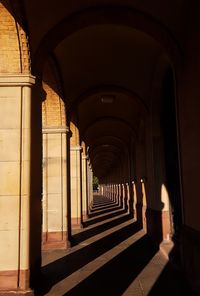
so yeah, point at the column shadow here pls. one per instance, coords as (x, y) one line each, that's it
(79, 237)
(104, 217)
(102, 211)
(58, 270)
(171, 282)
(119, 272)
(102, 206)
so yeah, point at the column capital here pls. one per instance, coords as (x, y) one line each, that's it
(17, 80)
(90, 165)
(76, 148)
(85, 157)
(55, 130)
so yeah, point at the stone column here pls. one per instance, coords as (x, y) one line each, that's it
(76, 185)
(144, 203)
(113, 193)
(121, 199)
(134, 199)
(54, 188)
(117, 194)
(84, 187)
(105, 190)
(90, 184)
(128, 197)
(124, 195)
(15, 149)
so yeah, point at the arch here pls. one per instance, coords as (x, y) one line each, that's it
(119, 15)
(54, 158)
(122, 146)
(114, 152)
(53, 107)
(110, 118)
(108, 88)
(103, 146)
(14, 54)
(109, 137)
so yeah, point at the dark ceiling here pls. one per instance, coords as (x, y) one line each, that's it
(107, 60)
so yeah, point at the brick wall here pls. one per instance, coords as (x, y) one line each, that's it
(53, 107)
(9, 50)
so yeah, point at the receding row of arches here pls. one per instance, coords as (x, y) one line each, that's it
(103, 102)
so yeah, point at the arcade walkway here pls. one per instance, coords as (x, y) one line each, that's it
(111, 255)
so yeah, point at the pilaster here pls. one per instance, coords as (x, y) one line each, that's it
(76, 185)
(15, 170)
(54, 187)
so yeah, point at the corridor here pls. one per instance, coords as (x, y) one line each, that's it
(111, 255)
(99, 147)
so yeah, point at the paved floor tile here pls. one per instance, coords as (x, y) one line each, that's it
(113, 257)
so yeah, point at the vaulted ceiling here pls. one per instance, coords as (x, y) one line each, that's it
(108, 52)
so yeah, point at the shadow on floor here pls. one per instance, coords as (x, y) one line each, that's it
(171, 282)
(102, 203)
(114, 277)
(100, 199)
(104, 211)
(58, 270)
(85, 234)
(104, 206)
(104, 217)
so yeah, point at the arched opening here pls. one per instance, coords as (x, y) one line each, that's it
(104, 105)
(54, 201)
(112, 110)
(171, 150)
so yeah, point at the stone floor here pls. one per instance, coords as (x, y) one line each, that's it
(112, 256)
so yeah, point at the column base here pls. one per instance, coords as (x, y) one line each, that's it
(16, 292)
(14, 281)
(85, 216)
(54, 241)
(139, 215)
(126, 204)
(158, 224)
(76, 223)
(131, 210)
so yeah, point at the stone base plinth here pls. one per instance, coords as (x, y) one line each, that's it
(16, 292)
(54, 240)
(76, 223)
(158, 224)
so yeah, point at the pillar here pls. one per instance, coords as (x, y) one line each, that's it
(134, 199)
(121, 195)
(144, 203)
(54, 188)
(128, 195)
(84, 187)
(15, 168)
(76, 185)
(115, 193)
(90, 184)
